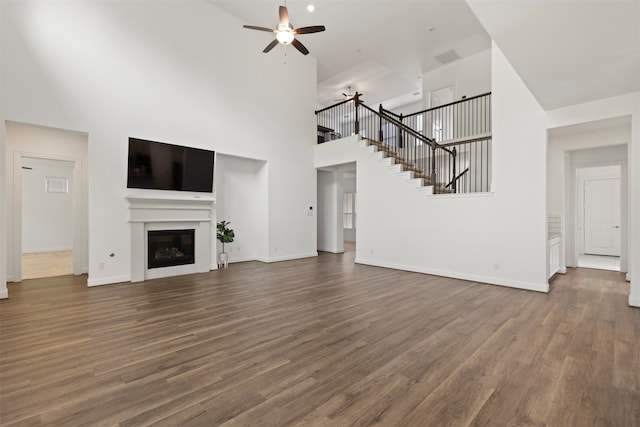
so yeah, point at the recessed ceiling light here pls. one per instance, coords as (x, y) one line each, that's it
(311, 8)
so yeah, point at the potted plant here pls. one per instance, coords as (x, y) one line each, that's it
(225, 235)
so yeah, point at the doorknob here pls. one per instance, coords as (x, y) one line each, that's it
(616, 226)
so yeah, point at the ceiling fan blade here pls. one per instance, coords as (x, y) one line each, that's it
(303, 50)
(253, 27)
(270, 46)
(284, 15)
(309, 30)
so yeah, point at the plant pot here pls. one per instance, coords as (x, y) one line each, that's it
(223, 260)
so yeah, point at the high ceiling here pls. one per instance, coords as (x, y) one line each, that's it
(379, 48)
(566, 52)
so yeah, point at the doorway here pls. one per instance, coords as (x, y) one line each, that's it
(47, 217)
(58, 160)
(599, 217)
(337, 208)
(349, 210)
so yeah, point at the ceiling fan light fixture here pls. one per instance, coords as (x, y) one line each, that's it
(285, 37)
(286, 33)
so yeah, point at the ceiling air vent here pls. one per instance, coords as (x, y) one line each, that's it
(448, 56)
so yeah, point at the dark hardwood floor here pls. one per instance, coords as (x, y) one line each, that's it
(319, 342)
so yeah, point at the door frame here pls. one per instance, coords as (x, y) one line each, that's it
(578, 225)
(17, 209)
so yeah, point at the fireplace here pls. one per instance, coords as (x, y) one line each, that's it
(167, 248)
(160, 212)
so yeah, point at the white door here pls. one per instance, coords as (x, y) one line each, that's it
(602, 216)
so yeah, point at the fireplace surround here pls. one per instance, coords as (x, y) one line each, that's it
(178, 214)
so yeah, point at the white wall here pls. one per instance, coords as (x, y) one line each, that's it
(23, 140)
(157, 70)
(470, 76)
(47, 217)
(241, 200)
(497, 237)
(619, 106)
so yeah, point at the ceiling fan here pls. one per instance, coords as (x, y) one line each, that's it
(348, 95)
(285, 32)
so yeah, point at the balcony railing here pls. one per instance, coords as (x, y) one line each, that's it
(450, 145)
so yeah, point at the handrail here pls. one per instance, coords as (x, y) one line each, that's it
(334, 105)
(456, 178)
(432, 142)
(465, 131)
(459, 141)
(449, 104)
(404, 127)
(390, 112)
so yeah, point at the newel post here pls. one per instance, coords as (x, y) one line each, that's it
(380, 132)
(356, 98)
(455, 178)
(433, 166)
(400, 140)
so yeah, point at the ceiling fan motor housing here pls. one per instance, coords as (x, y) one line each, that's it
(285, 33)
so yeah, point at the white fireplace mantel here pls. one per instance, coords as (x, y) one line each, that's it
(169, 212)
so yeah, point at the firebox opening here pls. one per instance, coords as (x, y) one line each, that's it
(167, 248)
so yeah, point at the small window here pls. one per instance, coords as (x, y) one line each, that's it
(348, 210)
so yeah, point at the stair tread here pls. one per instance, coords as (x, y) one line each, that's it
(407, 166)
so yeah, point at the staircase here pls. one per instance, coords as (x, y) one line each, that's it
(458, 164)
(415, 175)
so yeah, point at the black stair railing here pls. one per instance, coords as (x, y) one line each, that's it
(434, 143)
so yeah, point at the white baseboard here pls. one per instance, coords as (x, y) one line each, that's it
(544, 287)
(107, 280)
(634, 300)
(4, 293)
(563, 270)
(238, 259)
(628, 277)
(40, 250)
(287, 257)
(242, 259)
(332, 250)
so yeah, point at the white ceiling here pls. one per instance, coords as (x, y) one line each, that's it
(379, 48)
(566, 52)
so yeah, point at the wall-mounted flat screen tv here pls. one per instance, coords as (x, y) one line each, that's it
(160, 166)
